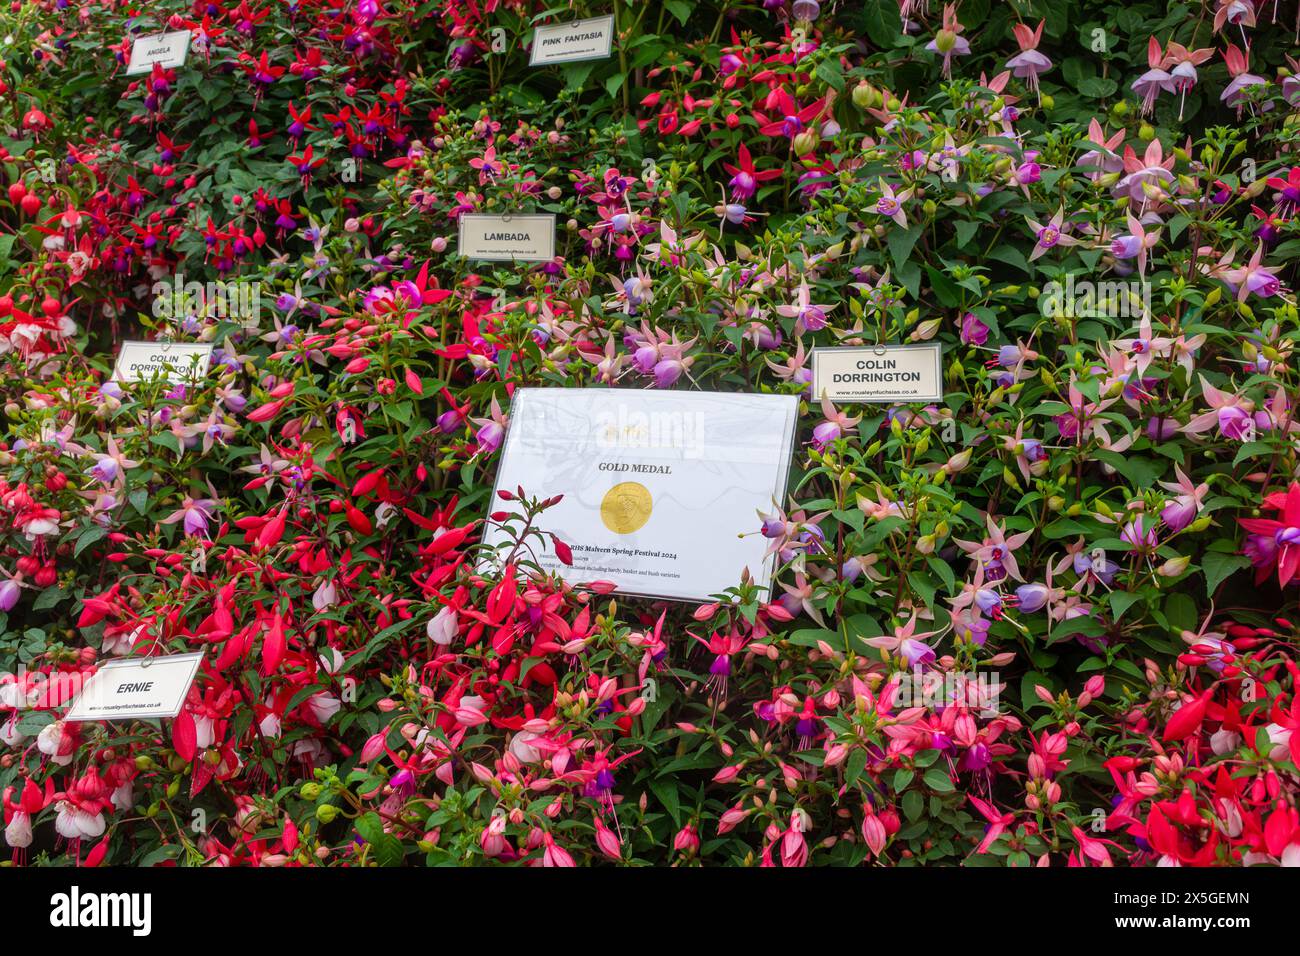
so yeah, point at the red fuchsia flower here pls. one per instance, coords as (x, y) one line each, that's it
(1275, 542)
(745, 177)
(791, 119)
(260, 72)
(20, 812)
(304, 164)
(1029, 63)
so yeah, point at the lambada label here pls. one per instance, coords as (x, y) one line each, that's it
(173, 361)
(130, 688)
(663, 492)
(168, 50)
(508, 238)
(882, 373)
(570, 42)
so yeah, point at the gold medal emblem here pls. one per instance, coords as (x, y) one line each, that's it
(626, 507)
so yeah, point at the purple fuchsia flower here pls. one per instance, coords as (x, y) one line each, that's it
(973, 331)
(890, 204)
(837, 423)
(1050, 235)
(807, 10)
(1032, 597)
(10, 592)
(194, 515)
(1102, 158)
(1231, 413)
(491, 430)
(1254, 277)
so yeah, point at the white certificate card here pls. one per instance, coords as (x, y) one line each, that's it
(662, 489)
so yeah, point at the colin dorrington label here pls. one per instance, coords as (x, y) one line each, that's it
(891, 373)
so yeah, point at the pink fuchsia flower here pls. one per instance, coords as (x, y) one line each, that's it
(1237, 91)
(1144, 346)
(491, 429)
(948, 42)
(1139, 535)
(809, 316)
(973, 331)
(1254, 277)
(110, 464)
(906, 643)
(194, 514)
(996, 553)
(1029, 63)
(1102, 158)
(1240, 13)
(1155, 80)
(1183, 73)
(1181, 510)
(1276, 541)
(834, 427)
(1135, 244)
(1232, 414)
(1150, 176)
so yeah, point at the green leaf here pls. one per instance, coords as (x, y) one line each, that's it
(679, 9)
(1218, 566)
(88, 537)
(938, 781)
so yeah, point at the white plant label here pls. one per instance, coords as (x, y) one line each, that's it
(574, 41)
(508, 238)
(174, 361)
(131, 688)
(888, 373)
(168, 50)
